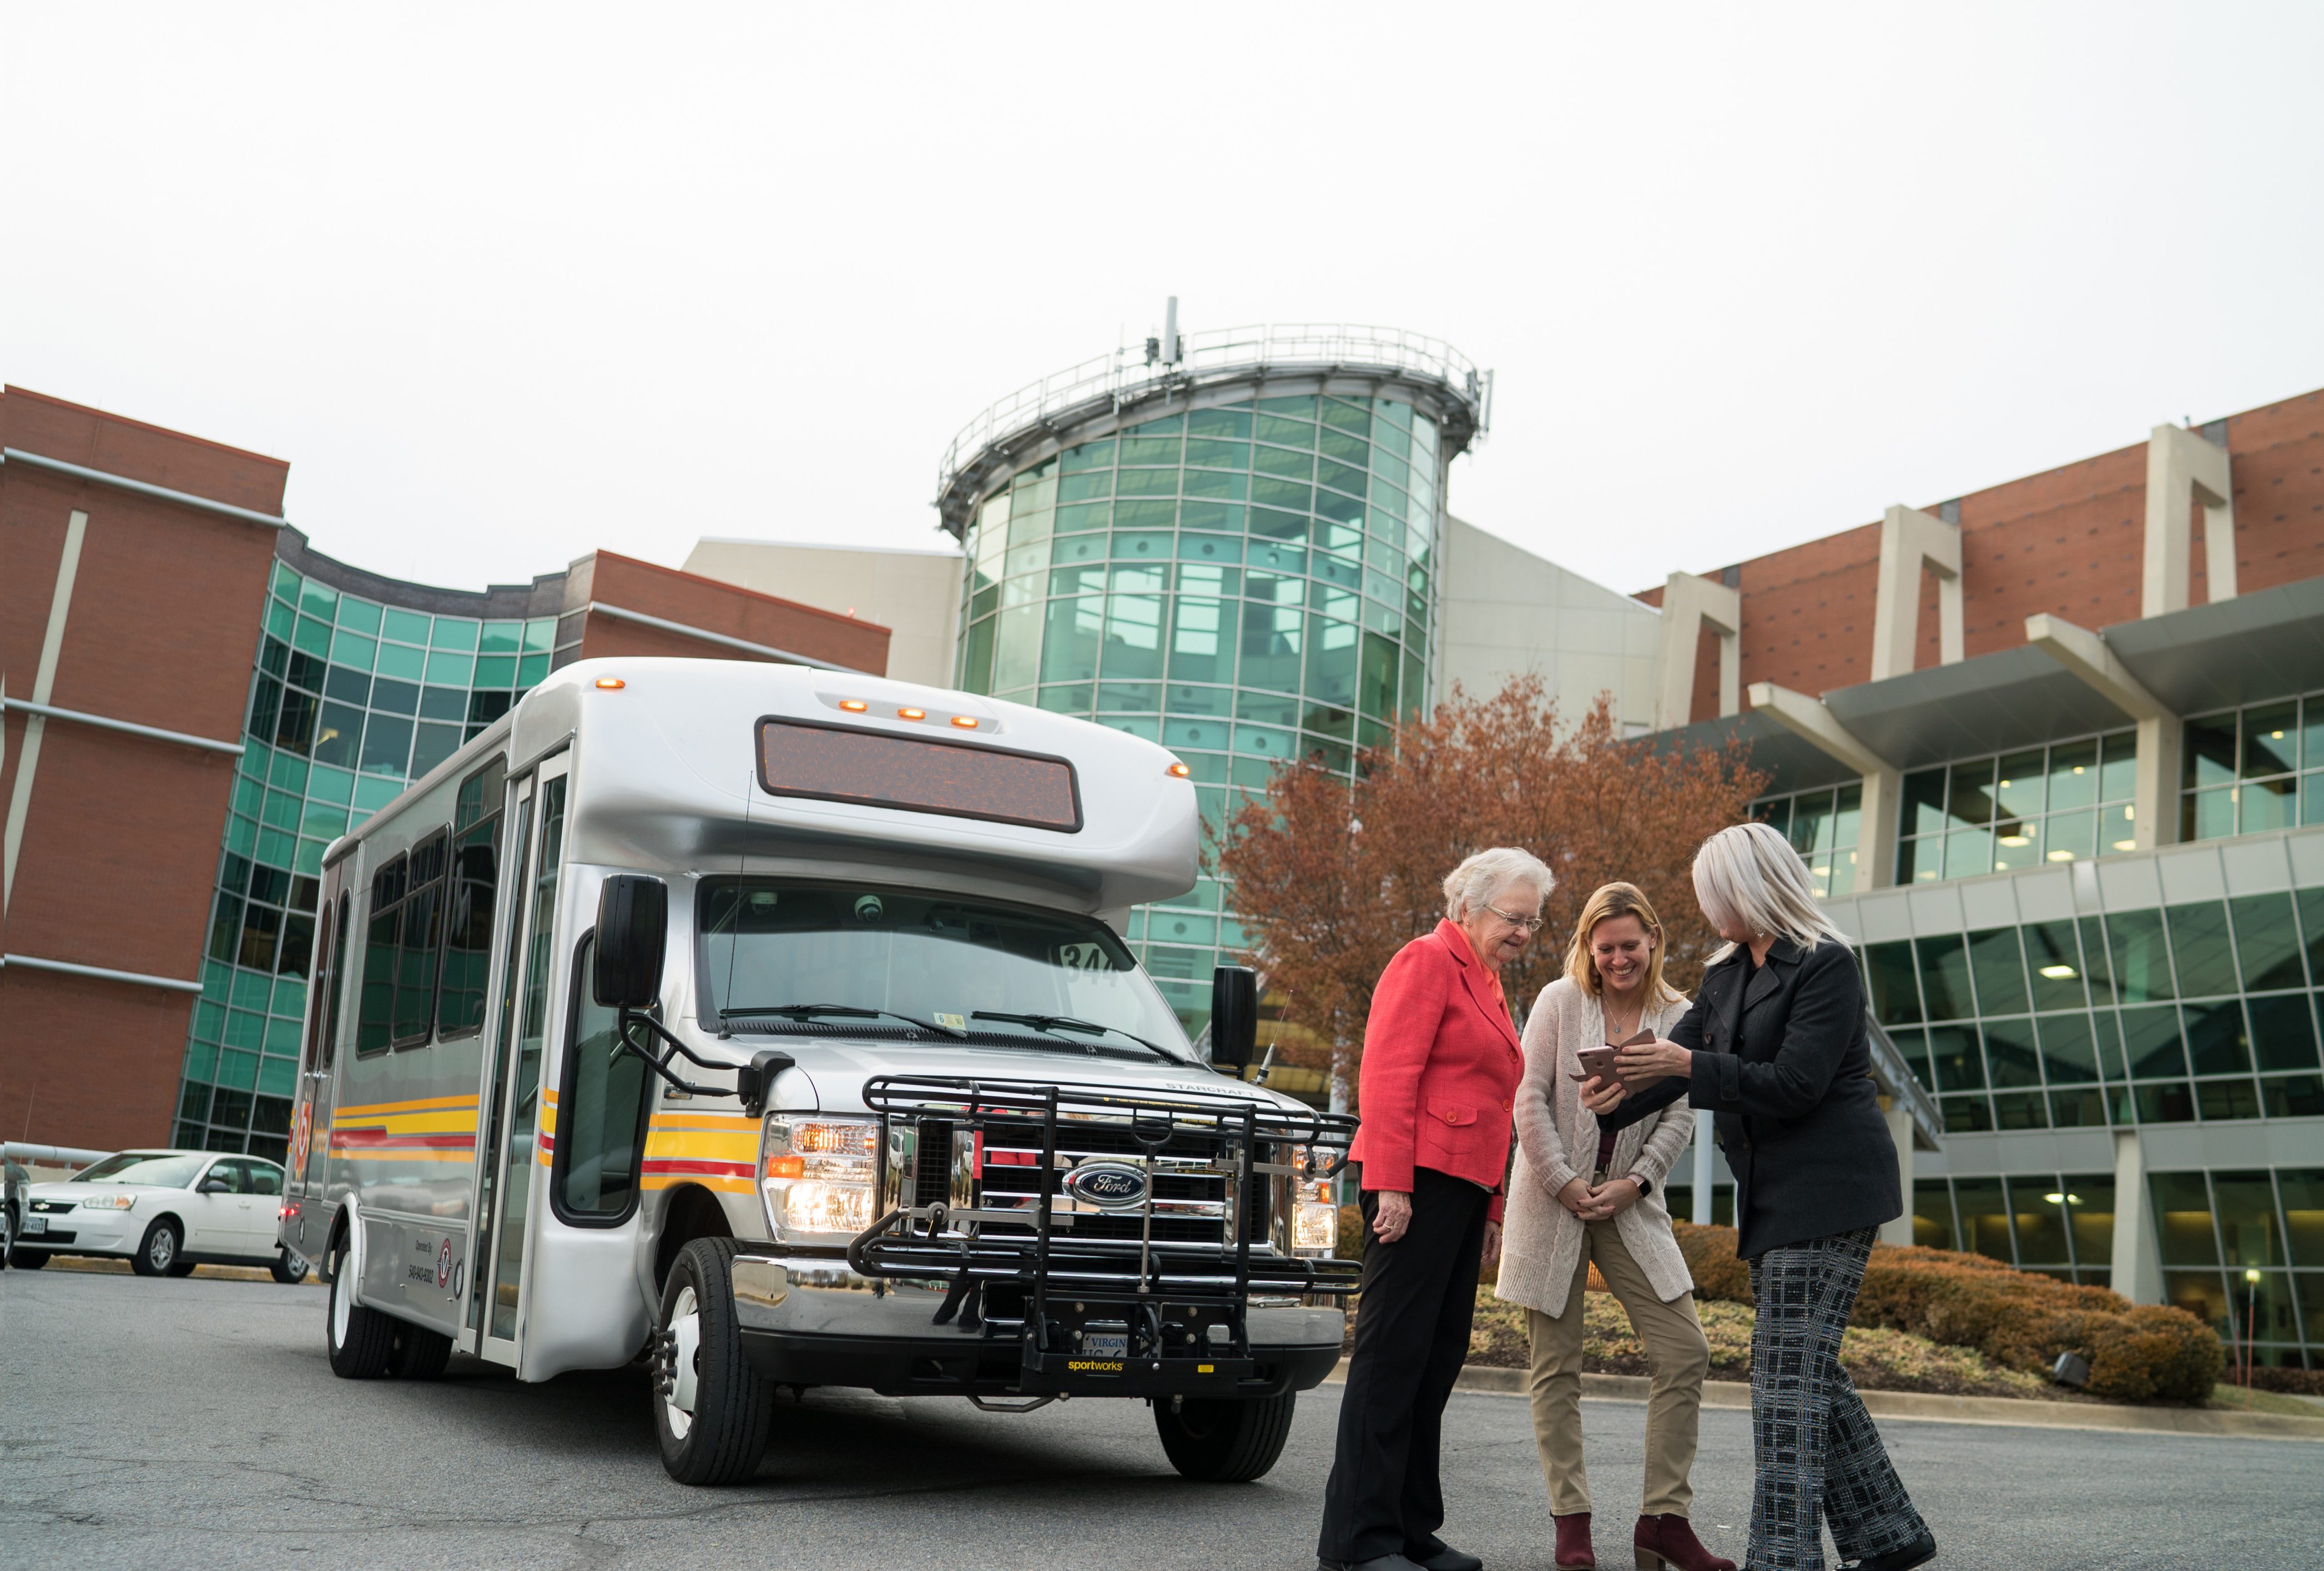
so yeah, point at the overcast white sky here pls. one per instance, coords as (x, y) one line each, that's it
(506, 284)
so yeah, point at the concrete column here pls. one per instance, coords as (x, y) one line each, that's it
(1688, 603)
(1900, 1129)
(2086, 654)
(2182, 469)
(2137, 1267)
(1875, 832)
(1808, 719)
(1910, 540)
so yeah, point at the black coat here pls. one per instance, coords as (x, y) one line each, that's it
(1789, 1076)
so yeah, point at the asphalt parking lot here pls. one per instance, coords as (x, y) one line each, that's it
(194, 1422)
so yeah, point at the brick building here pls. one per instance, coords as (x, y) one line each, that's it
(2054, 753)
(196, 703)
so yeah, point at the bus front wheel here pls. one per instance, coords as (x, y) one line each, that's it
(711, 1410)
(1225, 1441)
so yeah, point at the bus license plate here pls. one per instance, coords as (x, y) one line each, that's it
(1104, 1346)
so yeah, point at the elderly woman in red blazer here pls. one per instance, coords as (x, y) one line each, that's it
(1441, 1067)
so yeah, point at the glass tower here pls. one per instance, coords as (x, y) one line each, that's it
(1233, 556)
(351, 699)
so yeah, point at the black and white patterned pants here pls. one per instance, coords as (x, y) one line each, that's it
(1811, 1440)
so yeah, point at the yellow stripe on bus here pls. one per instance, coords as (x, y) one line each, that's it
(421, 1105)
(456, 1120)
(424, 1154)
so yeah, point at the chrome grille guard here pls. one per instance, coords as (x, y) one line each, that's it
(1003, 1237)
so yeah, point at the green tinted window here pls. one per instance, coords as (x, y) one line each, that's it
(1999, 970)
(1945, 978)
(2198, 942)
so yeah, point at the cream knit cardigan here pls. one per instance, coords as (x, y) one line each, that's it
(1557, 1142)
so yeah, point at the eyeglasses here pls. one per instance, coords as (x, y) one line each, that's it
(1524, 924)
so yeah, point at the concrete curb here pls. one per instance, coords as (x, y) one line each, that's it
(1932, 1408)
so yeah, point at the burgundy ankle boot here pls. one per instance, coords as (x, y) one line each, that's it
(1574, 1551)
(1667, 1543)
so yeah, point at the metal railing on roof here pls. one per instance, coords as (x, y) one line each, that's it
(1125, 376)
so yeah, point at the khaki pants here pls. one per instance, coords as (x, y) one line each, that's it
(1677, 1353)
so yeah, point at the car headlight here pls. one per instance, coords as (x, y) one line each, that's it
(818, 1177)
(109, 1203)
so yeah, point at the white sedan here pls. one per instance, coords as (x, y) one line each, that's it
(166, 1211)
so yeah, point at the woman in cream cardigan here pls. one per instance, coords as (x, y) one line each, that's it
(1575, 1198)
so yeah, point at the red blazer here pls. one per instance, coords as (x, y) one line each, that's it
(1442, 1064)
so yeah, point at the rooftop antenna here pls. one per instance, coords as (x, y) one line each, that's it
(1165, 349)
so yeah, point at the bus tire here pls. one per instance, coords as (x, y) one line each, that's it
(157, 1252)
(420, 1353)
(1224, 1440)
(359, 1340)
(712, 1409)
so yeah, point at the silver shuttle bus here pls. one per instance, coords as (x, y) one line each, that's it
(769, 1026)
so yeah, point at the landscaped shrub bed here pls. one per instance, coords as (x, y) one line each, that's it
(2018, 1319)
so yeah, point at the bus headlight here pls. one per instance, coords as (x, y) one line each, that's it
(1314, 1227)
(818, 1177)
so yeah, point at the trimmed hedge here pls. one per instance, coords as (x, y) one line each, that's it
(2021, 1320)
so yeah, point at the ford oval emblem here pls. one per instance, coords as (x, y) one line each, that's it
(1108, 1185)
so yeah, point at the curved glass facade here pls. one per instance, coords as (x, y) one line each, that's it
(352, 699)
(1244, 582)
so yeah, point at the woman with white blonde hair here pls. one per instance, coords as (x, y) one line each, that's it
(1776, 1046)
(1440, 1069)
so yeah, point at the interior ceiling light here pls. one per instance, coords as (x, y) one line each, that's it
(2057, 972)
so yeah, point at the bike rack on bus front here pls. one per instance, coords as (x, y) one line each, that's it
(1143, 1278)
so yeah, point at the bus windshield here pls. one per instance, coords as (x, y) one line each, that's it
(960, 964)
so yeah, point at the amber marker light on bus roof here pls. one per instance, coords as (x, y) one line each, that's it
(911, 714)
(1179, 771)
(854, 706)
(965, 722)
(611, 683)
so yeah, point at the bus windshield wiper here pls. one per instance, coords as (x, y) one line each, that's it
(803, 1013)
(1065, 1022)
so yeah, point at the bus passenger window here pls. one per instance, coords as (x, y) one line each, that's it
(468, 926)
(374, 1022)
(415, 966)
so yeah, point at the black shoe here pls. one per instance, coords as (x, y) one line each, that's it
(1377, 1563)
(1919, 1552)
(1445, 1559)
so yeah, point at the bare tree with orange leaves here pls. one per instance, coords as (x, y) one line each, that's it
(1332, 876)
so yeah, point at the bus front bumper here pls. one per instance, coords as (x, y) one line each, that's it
(814, 1322)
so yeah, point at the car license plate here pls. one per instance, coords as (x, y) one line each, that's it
(36, 1225)
(1106, 1346)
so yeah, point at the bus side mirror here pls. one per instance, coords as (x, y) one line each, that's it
(633, 927)
(1234, 1016)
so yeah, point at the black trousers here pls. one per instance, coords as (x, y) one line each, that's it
(1412, 1334)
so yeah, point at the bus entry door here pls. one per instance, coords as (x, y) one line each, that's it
(512, 1157)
